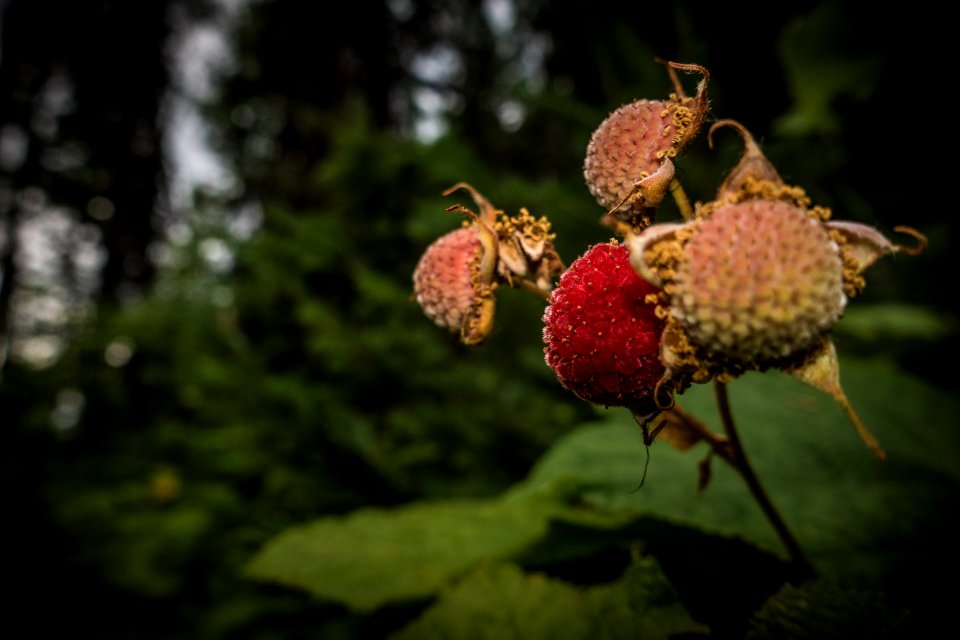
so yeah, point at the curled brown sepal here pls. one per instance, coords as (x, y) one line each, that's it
(700, 103)
(488, 212)
(518, 250)
(822, 371)
(753, 164)
(636, 209)
(662, 234)
(688, 113)
(682, 430)
(862, 245)
(527, 257)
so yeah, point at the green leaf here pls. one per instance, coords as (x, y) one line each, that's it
(847, 509)
(823, 609)
(375, 556)
(886, 321)
(502, 602)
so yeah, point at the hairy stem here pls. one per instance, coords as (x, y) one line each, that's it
(739, 461)
(680, 197)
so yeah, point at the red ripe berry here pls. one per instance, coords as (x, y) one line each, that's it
(602, 337)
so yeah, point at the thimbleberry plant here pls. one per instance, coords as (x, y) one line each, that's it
(752, 280)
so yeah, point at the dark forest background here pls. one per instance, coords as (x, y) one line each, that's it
(195, 357)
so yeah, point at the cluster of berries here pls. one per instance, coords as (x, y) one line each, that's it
(754, 279)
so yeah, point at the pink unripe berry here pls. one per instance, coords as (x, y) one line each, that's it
(445, 281)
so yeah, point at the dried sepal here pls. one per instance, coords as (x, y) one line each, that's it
(822, 372)
(527, 257)
(519, 250)
(636, 208)
(488, 213)
(677, 433)
(655, 249)
(479, 324)
(753, 164)
(688, 112)
(863, 245)
(682, 430)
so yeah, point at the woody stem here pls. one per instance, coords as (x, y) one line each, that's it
(739, 461)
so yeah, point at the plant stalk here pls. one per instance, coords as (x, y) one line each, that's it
(739, 461)
(680, 197)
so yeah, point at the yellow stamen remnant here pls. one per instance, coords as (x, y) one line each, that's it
(853, 282)
(753, 189)
(683, 117)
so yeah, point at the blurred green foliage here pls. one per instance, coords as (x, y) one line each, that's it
(500, 601)
(305, 382)
(857, 518)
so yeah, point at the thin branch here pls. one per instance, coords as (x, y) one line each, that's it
(739, 461)
(680, 197)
